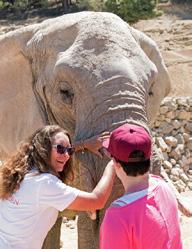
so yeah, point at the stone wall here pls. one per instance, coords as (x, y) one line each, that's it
(172, 132)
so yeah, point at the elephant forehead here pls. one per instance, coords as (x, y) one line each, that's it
(87, 42)
(89, 31)
(88, 67)
(85, 23)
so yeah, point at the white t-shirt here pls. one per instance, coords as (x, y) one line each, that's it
(29, 214)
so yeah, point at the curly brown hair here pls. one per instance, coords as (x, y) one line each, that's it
(34, 153)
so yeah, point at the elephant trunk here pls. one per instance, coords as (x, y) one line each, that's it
(111, 114)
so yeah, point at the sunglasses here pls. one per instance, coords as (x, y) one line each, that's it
(62, 150)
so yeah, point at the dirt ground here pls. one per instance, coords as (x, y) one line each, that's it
(69, 230)
(172, 32)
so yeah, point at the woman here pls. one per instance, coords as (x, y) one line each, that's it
(32, 189)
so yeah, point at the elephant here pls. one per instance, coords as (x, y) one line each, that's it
(89, 72)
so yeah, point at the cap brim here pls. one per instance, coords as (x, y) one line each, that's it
(105, 148)
(105, 143)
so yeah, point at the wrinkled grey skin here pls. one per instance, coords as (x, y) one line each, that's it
(88, 72)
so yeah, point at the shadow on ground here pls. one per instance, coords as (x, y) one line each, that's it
(10, 14)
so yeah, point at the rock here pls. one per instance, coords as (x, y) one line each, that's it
(180, 148)
(186, 137)
(175, 172)
(184, 115)
(167, 128)
(180, 185)
(189, 127)
(161, 144)
(173, 178)
(184, 178)
(182, 102)
(167, 165)
(163, 109)
(190, 185)
(184, 160)
(176, 124)
(165, 156)
(171, 115)
(175, 154)
(190, 172)
(172, 141)
(180, 139)
(173, 161)
(189, 145)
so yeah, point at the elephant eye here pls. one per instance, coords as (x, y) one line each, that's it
(67, 93)
(150, 93)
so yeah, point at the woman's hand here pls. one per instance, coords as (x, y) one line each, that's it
(94, 144)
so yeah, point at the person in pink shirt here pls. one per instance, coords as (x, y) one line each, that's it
(146, 216)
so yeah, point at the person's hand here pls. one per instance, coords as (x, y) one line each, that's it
(94, 144)
(92, 215)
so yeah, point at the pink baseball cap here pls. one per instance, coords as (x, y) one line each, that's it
(126, 139)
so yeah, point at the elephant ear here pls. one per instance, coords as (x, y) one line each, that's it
(20, 114)
(161, 85)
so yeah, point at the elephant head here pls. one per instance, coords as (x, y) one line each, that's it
(88, 72)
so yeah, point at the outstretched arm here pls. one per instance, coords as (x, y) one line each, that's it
(98, 197)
